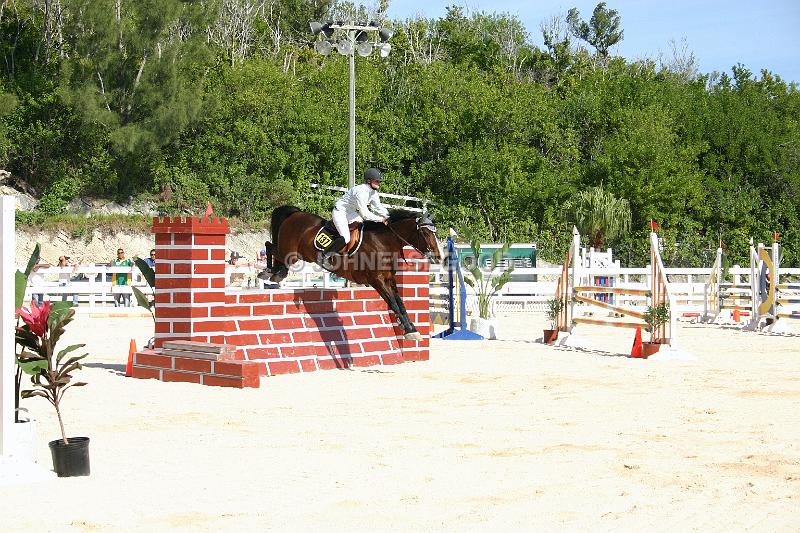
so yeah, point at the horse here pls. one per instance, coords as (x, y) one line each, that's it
(373, 263)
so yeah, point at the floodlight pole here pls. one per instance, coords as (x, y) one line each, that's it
(352, 30)
(351, 169)
(354, 33)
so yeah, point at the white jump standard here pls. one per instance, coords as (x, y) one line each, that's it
(577, 294)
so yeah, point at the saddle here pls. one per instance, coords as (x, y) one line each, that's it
(327, 233)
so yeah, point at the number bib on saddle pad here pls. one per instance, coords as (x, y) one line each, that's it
(327, 233)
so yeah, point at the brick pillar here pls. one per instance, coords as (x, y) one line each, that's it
(190, 279)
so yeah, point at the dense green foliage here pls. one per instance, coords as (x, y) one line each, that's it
(182, 101)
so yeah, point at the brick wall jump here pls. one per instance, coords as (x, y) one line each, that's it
(284, 330)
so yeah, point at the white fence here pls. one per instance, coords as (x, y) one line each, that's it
(92, 289)
(529, 290)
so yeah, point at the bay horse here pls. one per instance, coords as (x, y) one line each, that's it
(373, 264)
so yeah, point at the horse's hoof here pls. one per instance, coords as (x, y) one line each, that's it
(413, 336)
(264, 275)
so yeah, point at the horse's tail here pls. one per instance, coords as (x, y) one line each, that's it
(278, 216)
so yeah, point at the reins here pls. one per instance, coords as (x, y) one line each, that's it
(403, 239)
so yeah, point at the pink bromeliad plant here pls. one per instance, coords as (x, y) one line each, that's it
(51, 372)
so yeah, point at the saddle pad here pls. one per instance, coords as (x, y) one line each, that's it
(327, 233)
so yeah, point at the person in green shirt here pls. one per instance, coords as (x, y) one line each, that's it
(121, 278)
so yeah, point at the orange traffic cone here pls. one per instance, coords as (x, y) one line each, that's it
(131, 351)
(736, 316)
(636, 351)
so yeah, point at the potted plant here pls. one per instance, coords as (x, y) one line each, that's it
(655, 317)
(554, 307)
(486, 286)
(51, 375)
(141, 298)
(150, 277)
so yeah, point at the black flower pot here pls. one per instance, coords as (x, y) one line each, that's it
(70, 459)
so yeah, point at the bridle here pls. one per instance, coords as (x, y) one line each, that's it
(423, 222)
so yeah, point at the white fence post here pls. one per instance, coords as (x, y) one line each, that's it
(7, 365)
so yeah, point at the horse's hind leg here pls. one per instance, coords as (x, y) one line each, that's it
(270, 258)
(270, 271)
(279, 272)
(276, 271)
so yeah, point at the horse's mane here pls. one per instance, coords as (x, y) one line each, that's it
(396, 215)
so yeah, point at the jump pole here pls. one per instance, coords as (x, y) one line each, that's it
(457, 331)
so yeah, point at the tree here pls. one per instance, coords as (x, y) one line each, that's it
(556, 39)
(602, 31)
(137, 72)
(600, 215)
(233, 29)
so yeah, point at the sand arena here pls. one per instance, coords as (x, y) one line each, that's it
(494, 434)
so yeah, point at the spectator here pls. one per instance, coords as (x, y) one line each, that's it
(261, 260)
(151, 261)
(36, 279)
(121, 299)
(260, 265)
(239, 275)
(65, 277)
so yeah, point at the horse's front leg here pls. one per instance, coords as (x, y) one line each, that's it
(393, 300)
(410, 329)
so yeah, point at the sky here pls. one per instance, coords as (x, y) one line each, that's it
(721, 33)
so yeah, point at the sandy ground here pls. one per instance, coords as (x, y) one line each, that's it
(490, 435)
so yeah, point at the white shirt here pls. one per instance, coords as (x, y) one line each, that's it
(357, 201)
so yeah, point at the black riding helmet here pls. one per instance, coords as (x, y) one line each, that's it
(373, 174)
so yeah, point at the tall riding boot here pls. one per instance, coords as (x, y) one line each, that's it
(335, 246)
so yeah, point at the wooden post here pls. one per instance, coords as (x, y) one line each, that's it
(755, 290)
(575, 252)
(776, 278)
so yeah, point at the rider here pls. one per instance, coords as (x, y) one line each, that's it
(355, 206)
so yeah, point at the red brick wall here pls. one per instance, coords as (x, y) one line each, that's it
(289, 330)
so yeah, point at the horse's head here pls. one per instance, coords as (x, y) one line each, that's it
(427, 243)
(417, 231)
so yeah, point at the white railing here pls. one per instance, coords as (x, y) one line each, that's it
(404, 199)
(528, 291)
(521, 294)
(91, 286)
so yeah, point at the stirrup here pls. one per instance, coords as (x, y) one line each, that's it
(325, 260)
